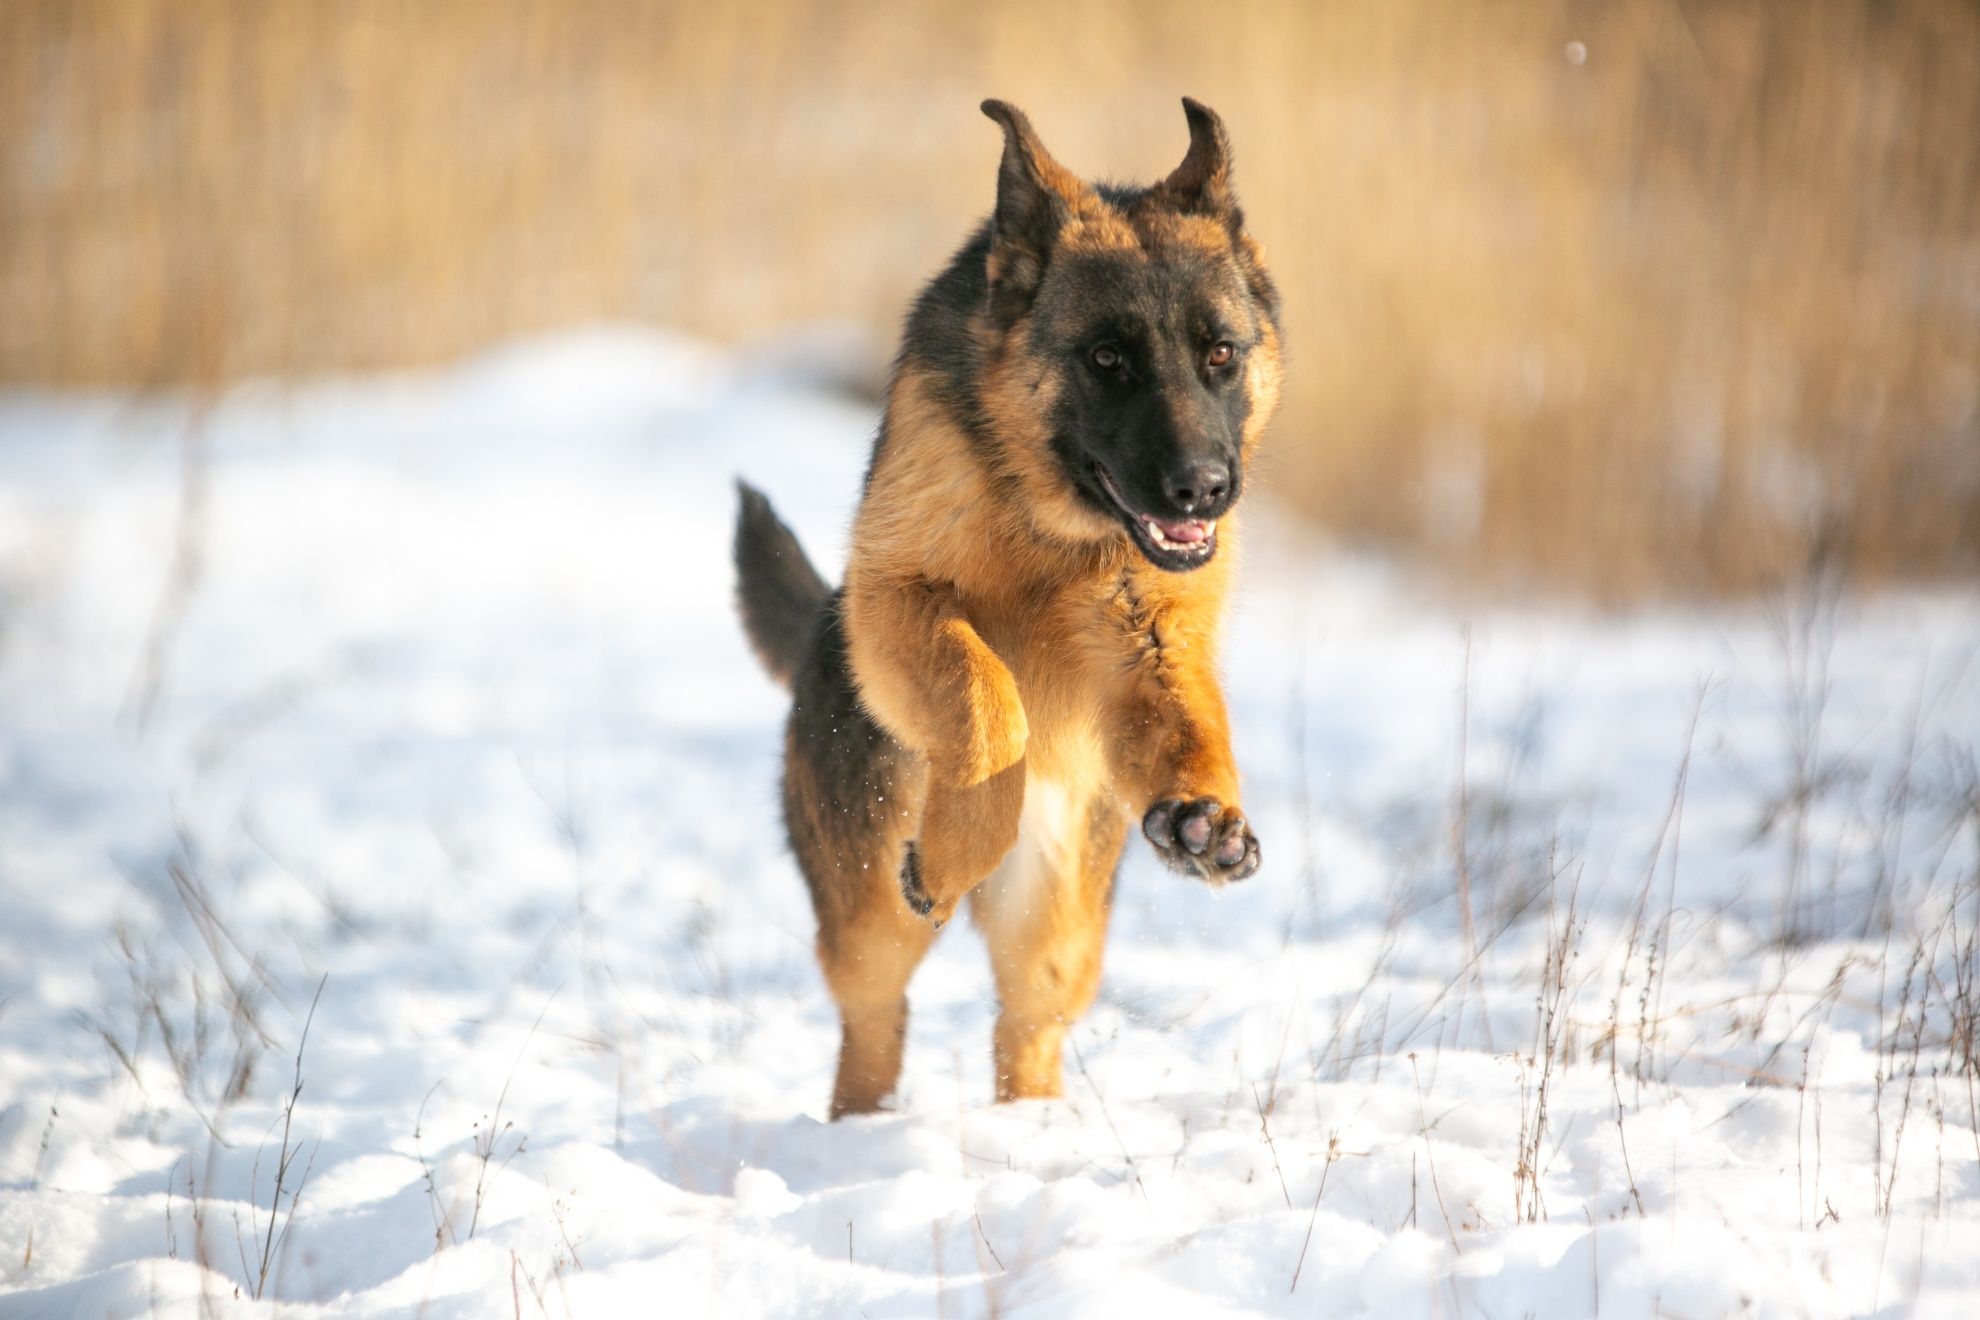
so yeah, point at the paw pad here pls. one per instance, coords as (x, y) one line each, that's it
(1204, 837)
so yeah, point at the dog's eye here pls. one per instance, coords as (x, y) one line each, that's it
(1221, 353)
(1107, 357)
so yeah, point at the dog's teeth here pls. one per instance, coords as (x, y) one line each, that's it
(1156, 535)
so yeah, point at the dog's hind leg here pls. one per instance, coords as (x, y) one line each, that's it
(1044, 915)
(868, 956)
(850, 793)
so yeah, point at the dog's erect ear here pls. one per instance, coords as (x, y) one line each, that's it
(1202, 183)
(1036, 198)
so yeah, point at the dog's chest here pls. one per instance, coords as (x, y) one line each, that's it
(1047, 850)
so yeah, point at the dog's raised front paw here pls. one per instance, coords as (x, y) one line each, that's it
(1202, 836)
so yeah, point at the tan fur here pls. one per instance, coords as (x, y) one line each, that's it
(1048, 677)
(1046, 684)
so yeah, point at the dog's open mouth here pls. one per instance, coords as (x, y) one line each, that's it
(1172, 543)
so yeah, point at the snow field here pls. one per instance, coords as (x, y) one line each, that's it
(449, 716)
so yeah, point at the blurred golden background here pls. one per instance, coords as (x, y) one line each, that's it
(1636, 297)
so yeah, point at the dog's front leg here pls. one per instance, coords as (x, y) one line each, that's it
(931, 680)
(1173, 763)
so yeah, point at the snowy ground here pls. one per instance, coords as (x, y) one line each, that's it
(425, 692)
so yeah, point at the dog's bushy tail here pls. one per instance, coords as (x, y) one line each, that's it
(778, 592)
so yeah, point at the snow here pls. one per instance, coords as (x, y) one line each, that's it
(451, 718)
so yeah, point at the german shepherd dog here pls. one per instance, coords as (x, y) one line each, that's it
(1023, 657)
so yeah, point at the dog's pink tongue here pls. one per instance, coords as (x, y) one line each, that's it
(1186, 532)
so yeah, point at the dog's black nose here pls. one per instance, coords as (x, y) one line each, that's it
(1196, 485)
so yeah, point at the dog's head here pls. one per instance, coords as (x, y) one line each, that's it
(1135, 343)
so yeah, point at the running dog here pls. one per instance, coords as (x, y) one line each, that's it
(1022, 660)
